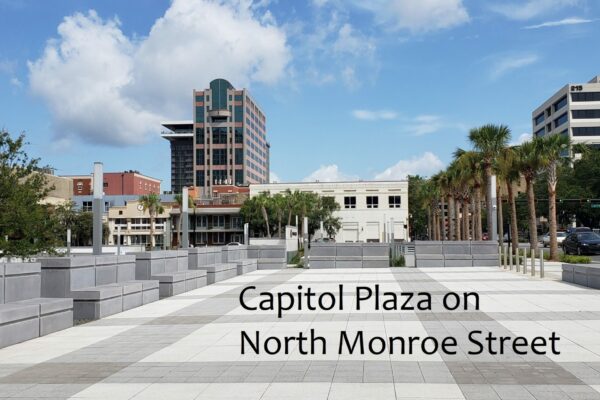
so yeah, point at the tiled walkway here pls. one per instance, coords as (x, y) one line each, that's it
(188, 346)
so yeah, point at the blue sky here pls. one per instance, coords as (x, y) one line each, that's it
(351, 89)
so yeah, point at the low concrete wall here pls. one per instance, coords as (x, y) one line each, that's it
(349, 255)
(584, 275)
(456, 253)
(268, 256)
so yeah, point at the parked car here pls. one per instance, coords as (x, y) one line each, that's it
(582, 243)
(578, 229)
(560, 236)
(485, 236)
(234, 244)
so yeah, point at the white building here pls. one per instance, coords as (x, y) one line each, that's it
(574, 111)
(366, 208)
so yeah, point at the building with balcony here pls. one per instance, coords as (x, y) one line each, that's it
(224, 143)
(367, 209)
(572, 111)
(215, 218)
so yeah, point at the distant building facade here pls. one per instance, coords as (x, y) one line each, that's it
(127, 183)
(366, 208)
(225, 143)
(130, 224)
(573, 111)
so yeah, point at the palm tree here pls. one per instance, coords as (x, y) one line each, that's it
(151, 204)
(529, 163)
(279, 204)
(470, 165)
(489, 140)
(179, 202)
(263, 201)
(508, 173)
(552, 151)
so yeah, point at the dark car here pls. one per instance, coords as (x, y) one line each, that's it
(582, 243)
(578, 229)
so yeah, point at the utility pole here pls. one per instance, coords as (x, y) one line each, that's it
(185, 243)
(97, 207)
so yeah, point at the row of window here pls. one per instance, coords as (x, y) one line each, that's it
(587, 131)
(586, 114)
(219, 135)
(203, 178)
(585, 96)
(373, 201)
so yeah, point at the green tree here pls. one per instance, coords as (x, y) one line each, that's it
(489, 140)
(151, 203)
(26, 228)
(529, 163)
(508, 173)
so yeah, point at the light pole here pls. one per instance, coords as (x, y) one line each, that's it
(493, 213)
(185, 243)
(97, 206)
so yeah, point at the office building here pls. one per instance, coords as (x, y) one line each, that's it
(126, 183)
(574, 111)
(367, 209)
(224, 143)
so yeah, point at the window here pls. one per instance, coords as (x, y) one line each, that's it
(586, 114)
(219, 157)
(539, 119)
(200, 135)
(200, 114)
(199, 178)
(239, 156)
(540, 132)
(239, 177)
(587, 131)
(239, 113)
(219, 176)
(219, 135)
(585, 96)
(395, 201)
(350, 202)
(199, 98)
(199, 156)
(560, 103)
(86, 206)
(239, 135)
(372, 201)
(561, 120)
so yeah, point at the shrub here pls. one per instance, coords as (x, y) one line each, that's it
(575, 259)
(399, 261)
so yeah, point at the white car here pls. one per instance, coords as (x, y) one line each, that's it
(560, 236)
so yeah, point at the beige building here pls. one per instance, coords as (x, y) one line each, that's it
(61, 192)
(134, 224)
(367, 208)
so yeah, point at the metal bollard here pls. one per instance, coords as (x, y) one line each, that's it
(525, 261)
(542, 263)
(499, 256)
(517, 260)
(510, 259)
(532, 262)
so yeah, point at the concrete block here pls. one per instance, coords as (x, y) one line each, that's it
(21, 281)
(325, 250)
(580, 275)
(458, 263)
(593, 277)
(106, 274)
(125, 271)
(452, 248)
(271, 263)
(567, 273)
(429, 263)
(246, 266)
(18, 323)
(349, 250)
(376, 262)
(348, 263)
(54, 314)
(322, 262)
(376, 250)
(485, 263)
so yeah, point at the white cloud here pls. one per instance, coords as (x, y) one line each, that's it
(418, 16)
(351, 42)
(425, 124)
(374, 115)
(523, 137)
(425, 165)
(562, 22)
(273, 177)
(524, 10)
(105, 87)
(16, 82)
(506, 63)
(329, 173)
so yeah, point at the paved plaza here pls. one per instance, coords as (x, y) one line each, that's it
(188, 346)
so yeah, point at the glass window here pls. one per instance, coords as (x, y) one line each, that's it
(585, 96)
(219, 157)
(239, 156)
(238, 97)
(239, 176)
(200, 135)
(372, 201)
(561, 120)
(199, 156)
(219, 176)
(586, 114)
(395, 201)
(539, 119)
(200, 114)
(219, 135)
(200, 98)
(350, 202)
(560, 103)
(239, 113)
(540, 132)
(587, 131)
(86, 206)
(199, 178)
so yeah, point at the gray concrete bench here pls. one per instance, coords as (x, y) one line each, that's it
(99, 285)
(349, 255)
(238, 254)
(459, 253)
(268, 256)
(170, 269)
(210, 261)
(24, 314)
(584, 275)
